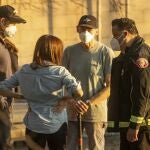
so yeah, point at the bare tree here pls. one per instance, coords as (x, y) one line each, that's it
(116, 6)
(89, 7)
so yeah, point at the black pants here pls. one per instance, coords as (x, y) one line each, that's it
(143, 142)
(55, 141)
(5, 126)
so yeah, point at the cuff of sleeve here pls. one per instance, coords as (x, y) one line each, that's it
(75, 88)
(135, 121)
(133, 125)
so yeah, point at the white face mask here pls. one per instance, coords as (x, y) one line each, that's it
(10, 31)
(86, 37)
(118, 44)
(115, 44)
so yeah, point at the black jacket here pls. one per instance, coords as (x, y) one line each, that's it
(14, 61)
(131, 103)
(13, 51)
(13, 56)
(113, 103)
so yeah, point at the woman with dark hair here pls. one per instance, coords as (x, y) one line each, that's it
(41, 84)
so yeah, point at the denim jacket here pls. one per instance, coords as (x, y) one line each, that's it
(42, 88)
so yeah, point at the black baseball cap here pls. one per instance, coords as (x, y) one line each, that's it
(8, 12)
(88, 21)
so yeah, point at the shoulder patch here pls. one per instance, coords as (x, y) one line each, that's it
(142, 63)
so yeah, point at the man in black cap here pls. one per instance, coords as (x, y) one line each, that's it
(8, 65)
(90, 62)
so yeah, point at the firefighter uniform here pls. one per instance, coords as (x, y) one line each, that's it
(129, 104)
(113, 103)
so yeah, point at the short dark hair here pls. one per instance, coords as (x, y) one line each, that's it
(125, 24)
(48, 48)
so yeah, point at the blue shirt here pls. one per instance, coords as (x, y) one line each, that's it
(42, 90)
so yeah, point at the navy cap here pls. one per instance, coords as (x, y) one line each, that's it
(88, 21)
(8, 12)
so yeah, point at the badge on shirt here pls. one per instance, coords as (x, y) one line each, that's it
(142, 63)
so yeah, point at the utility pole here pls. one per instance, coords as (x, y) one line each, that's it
(99, 17)
(50, 16)
(126, 8)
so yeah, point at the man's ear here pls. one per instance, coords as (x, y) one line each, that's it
(3, 22)
(125, 33)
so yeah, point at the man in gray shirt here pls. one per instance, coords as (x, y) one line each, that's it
(90, 62)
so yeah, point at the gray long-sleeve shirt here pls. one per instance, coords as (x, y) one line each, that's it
(41, 88)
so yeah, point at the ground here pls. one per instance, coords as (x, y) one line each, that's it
(112, 143)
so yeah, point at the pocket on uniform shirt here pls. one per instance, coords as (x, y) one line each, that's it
(97, 73)
(95, 68)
